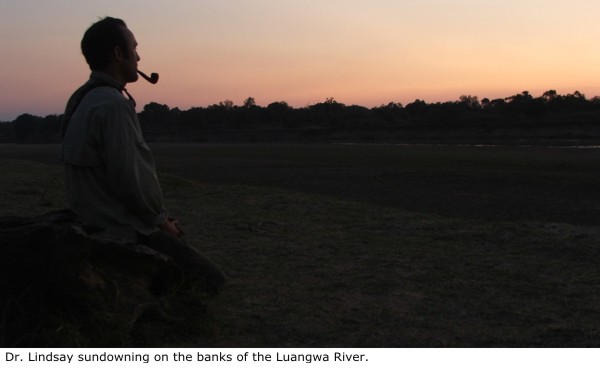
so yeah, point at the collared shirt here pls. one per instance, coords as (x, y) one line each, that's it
(110, 174)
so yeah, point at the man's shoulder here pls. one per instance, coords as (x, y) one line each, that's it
(105, 94)
(105, 98)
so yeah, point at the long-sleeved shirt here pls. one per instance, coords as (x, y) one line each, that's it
(110, 174)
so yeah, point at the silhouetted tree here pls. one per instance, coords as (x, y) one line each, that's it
(470, 102)
(327, 113)
(550, 95)
(227, 104)
(280, 113)
(392, 113)
(525, 105)
(7, 131)
(49, 128)
(158, 120)
(25, 127)
(595, 102)
(416, 108)
(249, 103)
(485, 103)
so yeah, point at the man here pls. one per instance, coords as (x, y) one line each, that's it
(110, 175)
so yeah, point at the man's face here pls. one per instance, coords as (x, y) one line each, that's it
(130, 60)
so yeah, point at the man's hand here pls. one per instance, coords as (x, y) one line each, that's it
(171, 226)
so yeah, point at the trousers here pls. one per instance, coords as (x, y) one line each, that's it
(188, 258)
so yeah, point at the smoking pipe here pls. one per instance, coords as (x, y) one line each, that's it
(152, 79)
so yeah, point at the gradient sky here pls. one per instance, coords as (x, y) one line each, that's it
(304, 51)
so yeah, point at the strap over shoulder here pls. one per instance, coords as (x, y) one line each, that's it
(96, 80)
(75, 100)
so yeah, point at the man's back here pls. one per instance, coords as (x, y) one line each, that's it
(110, 173)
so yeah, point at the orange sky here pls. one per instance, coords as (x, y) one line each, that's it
(359, 52)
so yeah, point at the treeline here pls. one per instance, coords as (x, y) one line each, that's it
(572, 115)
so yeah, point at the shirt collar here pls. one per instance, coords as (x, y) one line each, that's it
(107, 80)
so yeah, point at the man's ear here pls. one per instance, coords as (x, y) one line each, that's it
(118, 53)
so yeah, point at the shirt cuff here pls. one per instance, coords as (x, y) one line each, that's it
(161, 218)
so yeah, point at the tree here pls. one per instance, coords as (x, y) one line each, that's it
(49, 128)
(156, 108)
(279, 113)
(470, 102)
(521, 98)
(417, 107)
(485, 103)
(550, 95)
(158, 119)
(574, 101)
(227, 104)
(392, 113)
(25, 126)
(279, 105)
(249, 103)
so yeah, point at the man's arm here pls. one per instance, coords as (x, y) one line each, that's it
(130, 166)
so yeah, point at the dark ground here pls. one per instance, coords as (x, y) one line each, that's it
(490, 183)
(473, 182)
(334, 260)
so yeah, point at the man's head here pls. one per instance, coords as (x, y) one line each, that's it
(109, 46)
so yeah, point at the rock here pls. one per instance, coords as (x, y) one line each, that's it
(61, 284)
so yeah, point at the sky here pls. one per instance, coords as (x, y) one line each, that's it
(368, 52)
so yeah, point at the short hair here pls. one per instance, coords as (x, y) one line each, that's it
(100, 40)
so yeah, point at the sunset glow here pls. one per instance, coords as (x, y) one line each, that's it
(359, 52)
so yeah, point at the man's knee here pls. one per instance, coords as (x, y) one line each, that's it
(195, 264)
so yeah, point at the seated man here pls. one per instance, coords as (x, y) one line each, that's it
(110, 175)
